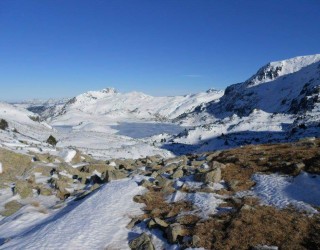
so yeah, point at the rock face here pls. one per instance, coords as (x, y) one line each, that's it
(142, 242)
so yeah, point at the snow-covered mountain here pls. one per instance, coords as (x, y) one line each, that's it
(110, 105)
(23, 123)
(280, 102)
(44, 108)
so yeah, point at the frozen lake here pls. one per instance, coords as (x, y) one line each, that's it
(142, 130)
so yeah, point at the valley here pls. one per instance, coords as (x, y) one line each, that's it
(214, 170)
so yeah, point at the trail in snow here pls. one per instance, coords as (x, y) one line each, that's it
(97, 222)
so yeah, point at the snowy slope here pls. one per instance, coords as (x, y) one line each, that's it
(280, 102)
(21, 120)
(98, 222)
(44, 108)
(278, 87)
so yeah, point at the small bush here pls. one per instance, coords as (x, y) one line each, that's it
(3, 124)
(51, 140)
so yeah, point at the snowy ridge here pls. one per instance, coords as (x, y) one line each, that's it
(21, 120)
(281, 102)
(108, 104)
(274, 70)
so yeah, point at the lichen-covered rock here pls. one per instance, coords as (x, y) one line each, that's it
(10, 208)
(115, 175)
(157, 222)
(23, 188)
(173, 231)
(211, 176)
(142, 242)
(162, 181)
(177, 174)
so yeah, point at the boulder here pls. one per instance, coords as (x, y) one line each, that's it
(157, 222)
(162, 181)
(177, 174)
(145, 183)
(132, 223)
(216, 164)
(211, 176)
(173, 231)
(195, 241)
(23, 188)
(142, 242)
(115, 175)
(10, 208)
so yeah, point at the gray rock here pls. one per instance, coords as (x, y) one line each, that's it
(162, 181)
(216, 164)
(115, 175)
(142, 242)
(211, 176)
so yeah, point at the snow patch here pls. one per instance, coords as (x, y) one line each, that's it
(302, 191)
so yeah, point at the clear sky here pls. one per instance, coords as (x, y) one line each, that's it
(61, 48)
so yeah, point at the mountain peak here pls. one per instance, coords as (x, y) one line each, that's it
(273, 70)
(109, 91)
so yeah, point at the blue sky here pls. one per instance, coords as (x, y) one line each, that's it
(61, 48)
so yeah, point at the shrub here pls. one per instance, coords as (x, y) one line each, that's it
(51, 140)
(3, 124)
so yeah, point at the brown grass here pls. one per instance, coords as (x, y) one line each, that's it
(260, 225)
(270, 158)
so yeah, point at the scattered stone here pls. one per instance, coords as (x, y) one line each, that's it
(297, 168)
(138, 199)
(115, 175)
(132, 223)
(142, 242)
(173, 231)
(154, 174)
(168, 168)
(211, 176)
(216, 164)
(233, 185)
(196, 241)
(162, 181)
(213, 155)
(44, 191)
(23, 188)
(10, 208)
(264, 247)
(157, 222)
(178, 174)
(197, 164)
(145, 183)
